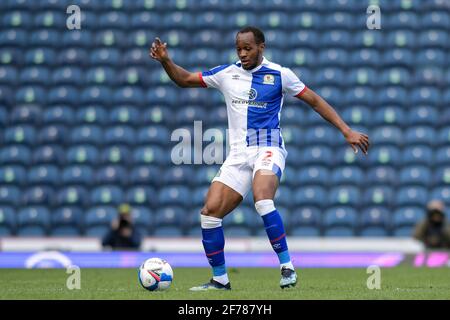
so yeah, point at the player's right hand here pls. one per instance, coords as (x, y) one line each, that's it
(158, 51)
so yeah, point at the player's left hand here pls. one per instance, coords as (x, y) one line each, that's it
(357, 139)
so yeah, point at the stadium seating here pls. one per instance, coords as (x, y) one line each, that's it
(87, 117)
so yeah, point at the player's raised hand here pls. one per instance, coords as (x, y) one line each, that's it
(357, 140)
(158, 51)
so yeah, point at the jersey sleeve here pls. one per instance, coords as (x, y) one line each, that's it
(292, 85)
(212, 78)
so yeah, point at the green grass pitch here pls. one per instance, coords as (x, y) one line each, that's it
(254, 284)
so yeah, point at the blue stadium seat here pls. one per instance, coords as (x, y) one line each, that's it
(11, 56)
(426, 96)
(199, 196)
(13, 174)
(66, 221)
(141, 196)
(44, 38)
(391, 115)
(107, 195)
(82, 154)
(97, 220)
(33, 221)
(341, 216)
(204, 175)
(178, 175)
(129, 95)
(160, 115)
(86, 134)
(13, 37)
(39, 195)
(101, 75)
(430, 57)
(442, 193)
(143, 219)
(58, 114)
(433, 38)
(405, 218)
(384, 154)
(308, 39)
(70, 56)
(63, 95)
(125, 114)
(113, 20)
(311, 195)
(92, 114)
(365, 58)
(368, 39)
(119, 134)
(43, 175)
(419, 175)
(111, 174)
(6, 95)
(174, 195)
(162, 95)
(357, 115)
(441, 176)
(392, 95)
(16, 19)
(7, 221)
(20, 134)
(314, 174)
(401, 38)
(416, 135)
(412, 196)
(316, 155)
(348, 175)
(75, 195)
(145, 175)
(320, 135)
(336, 38)
(382, 175)
(387, 135)
(15, 154)
(375, 217)
(304, 217)
(442, 156)
(345, 196)
(33, 76)
(153, 134)
(378, 196)
(96, 95)
(420, 154)
(77, 175)
(169, 221)
(50, 19)
(52, 134)
(8, 75)
(77, 38)
(116, 154)
(9, 195)
(150, 155)
(68, 76)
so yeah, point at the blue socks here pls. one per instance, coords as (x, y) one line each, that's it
(275, 231)
(214, 243)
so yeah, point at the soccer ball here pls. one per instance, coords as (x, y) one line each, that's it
(155, 274)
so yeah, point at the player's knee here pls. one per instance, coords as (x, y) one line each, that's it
(210, 210)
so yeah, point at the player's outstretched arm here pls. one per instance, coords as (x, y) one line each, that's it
(180, 76)
(354, 138)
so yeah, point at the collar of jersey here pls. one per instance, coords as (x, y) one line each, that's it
(263, 63)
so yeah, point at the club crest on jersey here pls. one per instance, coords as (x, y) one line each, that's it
(269, 79)
(252, 94)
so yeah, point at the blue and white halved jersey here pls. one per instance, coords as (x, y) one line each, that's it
(254, 100)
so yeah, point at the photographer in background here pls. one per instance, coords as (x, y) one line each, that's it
(433, 230)
(123, 234)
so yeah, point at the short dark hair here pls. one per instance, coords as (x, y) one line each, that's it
(257, 33)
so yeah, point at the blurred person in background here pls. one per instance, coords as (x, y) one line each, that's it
(123, 234)
(433, 231)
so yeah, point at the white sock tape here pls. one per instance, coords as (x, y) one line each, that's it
(210, 222)
(264, 206)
